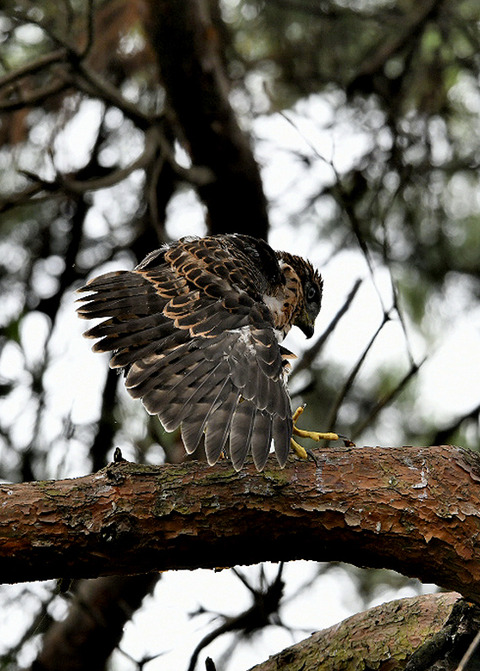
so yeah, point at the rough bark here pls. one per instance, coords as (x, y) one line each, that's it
(187, 44)
(415, 510)
(422, 633)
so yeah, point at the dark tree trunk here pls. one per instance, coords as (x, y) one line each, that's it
(94, 626)
(187, 44)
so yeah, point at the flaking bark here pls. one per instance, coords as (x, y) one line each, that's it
(412, 509)
(422, 633)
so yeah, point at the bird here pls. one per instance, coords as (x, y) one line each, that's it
(197, 328)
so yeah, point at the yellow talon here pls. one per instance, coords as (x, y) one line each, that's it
(297, 414)
(313, 435)
(300, 451)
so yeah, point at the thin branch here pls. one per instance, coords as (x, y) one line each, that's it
(332, 418)
(391, 396)
(266, 602)
(86, 79)
(356, 227)
(93, 84)
(32, 67)
(153, 141)
(23, 17)
(469, 654)
(54, 88)
(22, 198)
(116, 176)
(69, 14)
(402, 37)
(444, 434)
(339, 192)
(90, 29)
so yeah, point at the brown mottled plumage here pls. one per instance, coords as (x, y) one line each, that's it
(197, 326)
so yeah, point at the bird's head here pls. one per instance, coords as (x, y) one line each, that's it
(310, 292)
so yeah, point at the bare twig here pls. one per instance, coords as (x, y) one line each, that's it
(266, 601)
(469, 654)
(21, 198)
(32, 100)
(353, 374)
(32, 67)
(356, 228)
(69, 14)
(90, 29)
(412, 27)
(444, 434)
(153, 140)
(388, 398)
(93, 84)
(116, 176)
(84, 77)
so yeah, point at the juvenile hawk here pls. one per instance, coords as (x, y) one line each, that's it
(197, 325)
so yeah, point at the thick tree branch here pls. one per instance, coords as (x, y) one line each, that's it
(412, 509)
(422, 633)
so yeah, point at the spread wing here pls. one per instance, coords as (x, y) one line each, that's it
(198, 347)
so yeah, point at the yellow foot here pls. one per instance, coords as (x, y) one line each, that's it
(300, 451)
(313, 435)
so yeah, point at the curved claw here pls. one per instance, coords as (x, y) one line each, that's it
(301, 452)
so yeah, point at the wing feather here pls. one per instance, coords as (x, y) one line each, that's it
(282, 432)
(186, 404)
(218, 429)
(193, 427)
(176, 360)
(241, 432)
(262, 433)
(197, 343)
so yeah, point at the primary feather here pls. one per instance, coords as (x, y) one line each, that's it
(196, 325)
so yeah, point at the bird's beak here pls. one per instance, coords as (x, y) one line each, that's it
(306, 325)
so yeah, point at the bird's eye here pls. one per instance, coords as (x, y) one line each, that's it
(312, 293)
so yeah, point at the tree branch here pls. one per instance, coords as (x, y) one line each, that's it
(404, 36)
(33, 99)
(31, 67)
(414, 633)
(412, 509)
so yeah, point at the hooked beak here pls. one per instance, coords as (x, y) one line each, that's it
(306, 325)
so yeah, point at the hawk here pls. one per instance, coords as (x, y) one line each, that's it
(197, 326)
